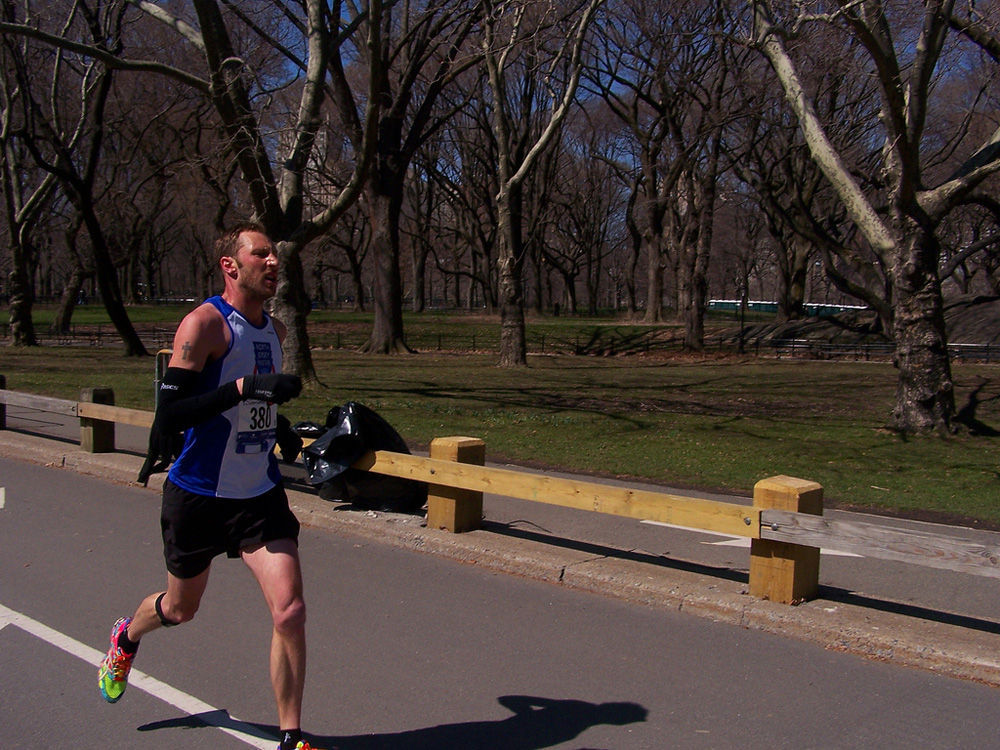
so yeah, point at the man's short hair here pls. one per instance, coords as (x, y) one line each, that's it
(229, 242)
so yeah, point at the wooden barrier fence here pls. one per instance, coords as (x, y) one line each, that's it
(785, 524)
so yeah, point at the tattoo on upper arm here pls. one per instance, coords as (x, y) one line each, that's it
(186, 350)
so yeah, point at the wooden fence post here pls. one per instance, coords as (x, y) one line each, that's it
(450, 508)
(779, 571)
(3, 406)
(97, 435)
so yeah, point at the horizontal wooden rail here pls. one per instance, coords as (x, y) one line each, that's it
(770, 523)
(711, 515)
(121, 414)
(41, 403)
(85, 409)
(883, 542)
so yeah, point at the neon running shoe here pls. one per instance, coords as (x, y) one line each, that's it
(302, 745)
(113, 677)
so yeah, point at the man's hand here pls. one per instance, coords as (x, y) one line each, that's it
(276, 388)
(164, 447)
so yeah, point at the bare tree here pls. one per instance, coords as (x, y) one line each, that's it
(664, 71)
(629, 74)
(588, 201)
(82, 269)
(515, 27)
(422, 49)
(972, 249)
(67, 139)
(349, 238)
(804, 216)
(240, 102)
(900, 221)
(464, 169)
(26, 189)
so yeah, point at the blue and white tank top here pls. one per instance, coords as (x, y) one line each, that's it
(229, 455)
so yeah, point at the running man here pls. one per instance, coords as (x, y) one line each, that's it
(224, 493)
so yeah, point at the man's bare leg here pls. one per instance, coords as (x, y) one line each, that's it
(276, 567)
(179, 604)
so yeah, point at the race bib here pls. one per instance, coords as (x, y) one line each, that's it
(257, 427)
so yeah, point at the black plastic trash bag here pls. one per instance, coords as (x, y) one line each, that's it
(333, 451)
(308, 429)
(351, 431)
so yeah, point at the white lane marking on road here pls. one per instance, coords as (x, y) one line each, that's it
(738, 541)
(3, 497)
(685, 528)
(745, 542)
(160, 690)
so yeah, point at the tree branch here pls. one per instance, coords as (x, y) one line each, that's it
(978, 34)
(984, 163)
(181, 27)
(105, 57)
(569, 94)
(823, 152)
(954, 262)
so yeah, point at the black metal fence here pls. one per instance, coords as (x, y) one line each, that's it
(600, 342)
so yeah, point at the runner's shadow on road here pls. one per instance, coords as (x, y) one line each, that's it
(536, 723)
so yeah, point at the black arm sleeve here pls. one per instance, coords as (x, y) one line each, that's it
(176, 406)
(176, 410)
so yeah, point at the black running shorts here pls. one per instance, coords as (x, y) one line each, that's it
(197, 528)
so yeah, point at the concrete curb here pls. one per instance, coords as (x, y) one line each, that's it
(938, 646)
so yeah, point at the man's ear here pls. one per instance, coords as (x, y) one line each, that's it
(228, 265)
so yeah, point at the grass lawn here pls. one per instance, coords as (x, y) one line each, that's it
(715, 423)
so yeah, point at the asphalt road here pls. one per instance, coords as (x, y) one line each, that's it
(409, 650)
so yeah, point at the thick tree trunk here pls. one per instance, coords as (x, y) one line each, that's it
(700, 248)
(693, 302)
(569, 282)
(513, 339)
(594, 268)
(654, 284)
(387, 329)
(107, 283)
(925, 397)
(291, 306)
(793, 265)
(420, 279)
(358, 284)
(68, 300)
(513, 346)
(22, 328)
